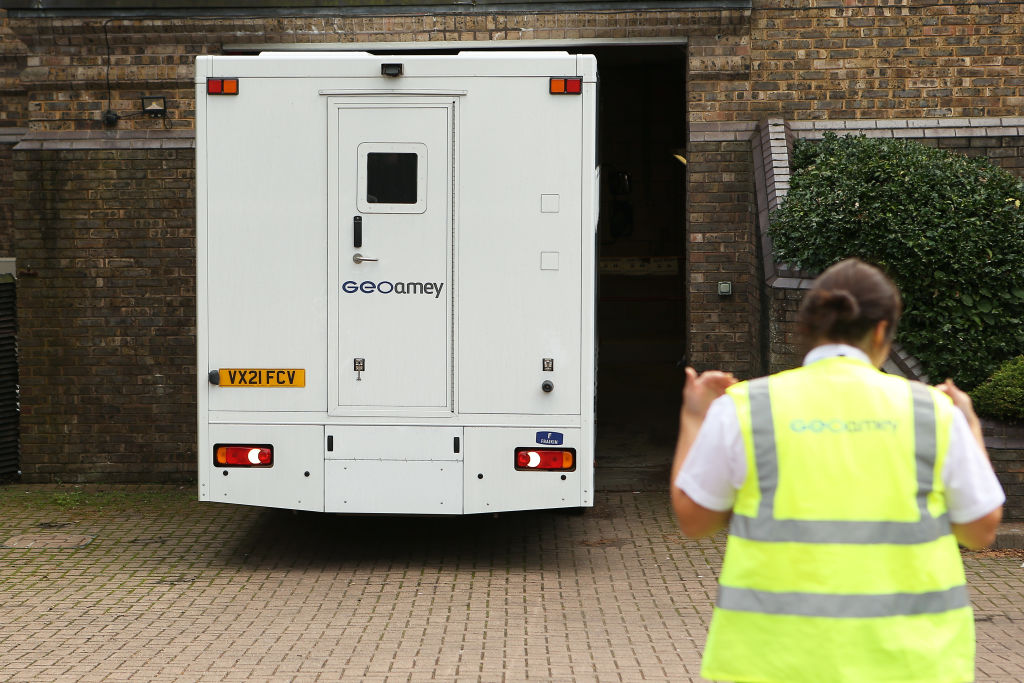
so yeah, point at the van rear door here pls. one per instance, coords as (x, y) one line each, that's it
(390, 253)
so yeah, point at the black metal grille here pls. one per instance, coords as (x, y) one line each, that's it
(9, 445)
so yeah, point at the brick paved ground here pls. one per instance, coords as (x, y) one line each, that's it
(169, 589)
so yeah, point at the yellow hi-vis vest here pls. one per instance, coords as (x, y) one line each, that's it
(841, 564)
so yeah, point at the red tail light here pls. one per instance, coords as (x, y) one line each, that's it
(243, 456)
(565, 86)
(562, 459)
(221, 86)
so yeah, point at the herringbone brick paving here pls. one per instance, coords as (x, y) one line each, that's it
(169, 589)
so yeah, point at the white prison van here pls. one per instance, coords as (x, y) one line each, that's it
(396, 268)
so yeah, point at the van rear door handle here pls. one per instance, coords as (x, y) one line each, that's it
(359, 258)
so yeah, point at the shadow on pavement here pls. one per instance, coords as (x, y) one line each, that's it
(282, 539)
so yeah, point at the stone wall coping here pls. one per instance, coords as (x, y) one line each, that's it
(107, 139)
(1003, 131)
(858, 124)
(790, 282)
(362, 45)
(730, 131)
(12, 135)
(134, 133)
(1002, 435)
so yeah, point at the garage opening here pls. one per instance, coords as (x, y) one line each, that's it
(641, 308)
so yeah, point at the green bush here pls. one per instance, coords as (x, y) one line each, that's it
(1001, 397)
(948, 229)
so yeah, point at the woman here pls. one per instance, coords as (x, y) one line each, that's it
(845, 490)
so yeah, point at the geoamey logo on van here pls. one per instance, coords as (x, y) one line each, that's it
(385, 287)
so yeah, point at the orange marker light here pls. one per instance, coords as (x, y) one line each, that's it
(565, 86)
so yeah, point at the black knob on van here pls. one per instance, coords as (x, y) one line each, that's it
(547, 386)
(214, 376)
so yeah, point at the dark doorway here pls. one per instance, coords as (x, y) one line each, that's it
(641, 308)
(9, 411)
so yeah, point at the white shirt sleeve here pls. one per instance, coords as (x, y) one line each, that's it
(717, 464)
(972, 489)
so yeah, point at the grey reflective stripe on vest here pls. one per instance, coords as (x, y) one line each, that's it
(765, 527)
(925, 446)
(841, 606)
(813, 531)
(765, 455)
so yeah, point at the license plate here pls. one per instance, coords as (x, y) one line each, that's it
(262, 377)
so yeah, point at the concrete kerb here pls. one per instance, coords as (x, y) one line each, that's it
(1010, 535)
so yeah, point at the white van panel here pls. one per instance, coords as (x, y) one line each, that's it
(296, 481)
(262, 251)
(394, 487)
(493, 484)
(524, 262)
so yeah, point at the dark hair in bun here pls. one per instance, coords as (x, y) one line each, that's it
(847, 301)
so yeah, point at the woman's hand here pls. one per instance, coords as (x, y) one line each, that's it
(700, 390)
(698, 393)
(962, 400)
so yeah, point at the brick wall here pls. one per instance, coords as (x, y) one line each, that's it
(827, 59)
(105, 241)
(1009, 467)
(69, 63)
(6, 198)
(1006, 448)
(724, 330)
(786, 346)
(721, 237)
(13, 54)
(1005, 151)
(12, 121)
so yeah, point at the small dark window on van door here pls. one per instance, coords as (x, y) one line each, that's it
(391, 177)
